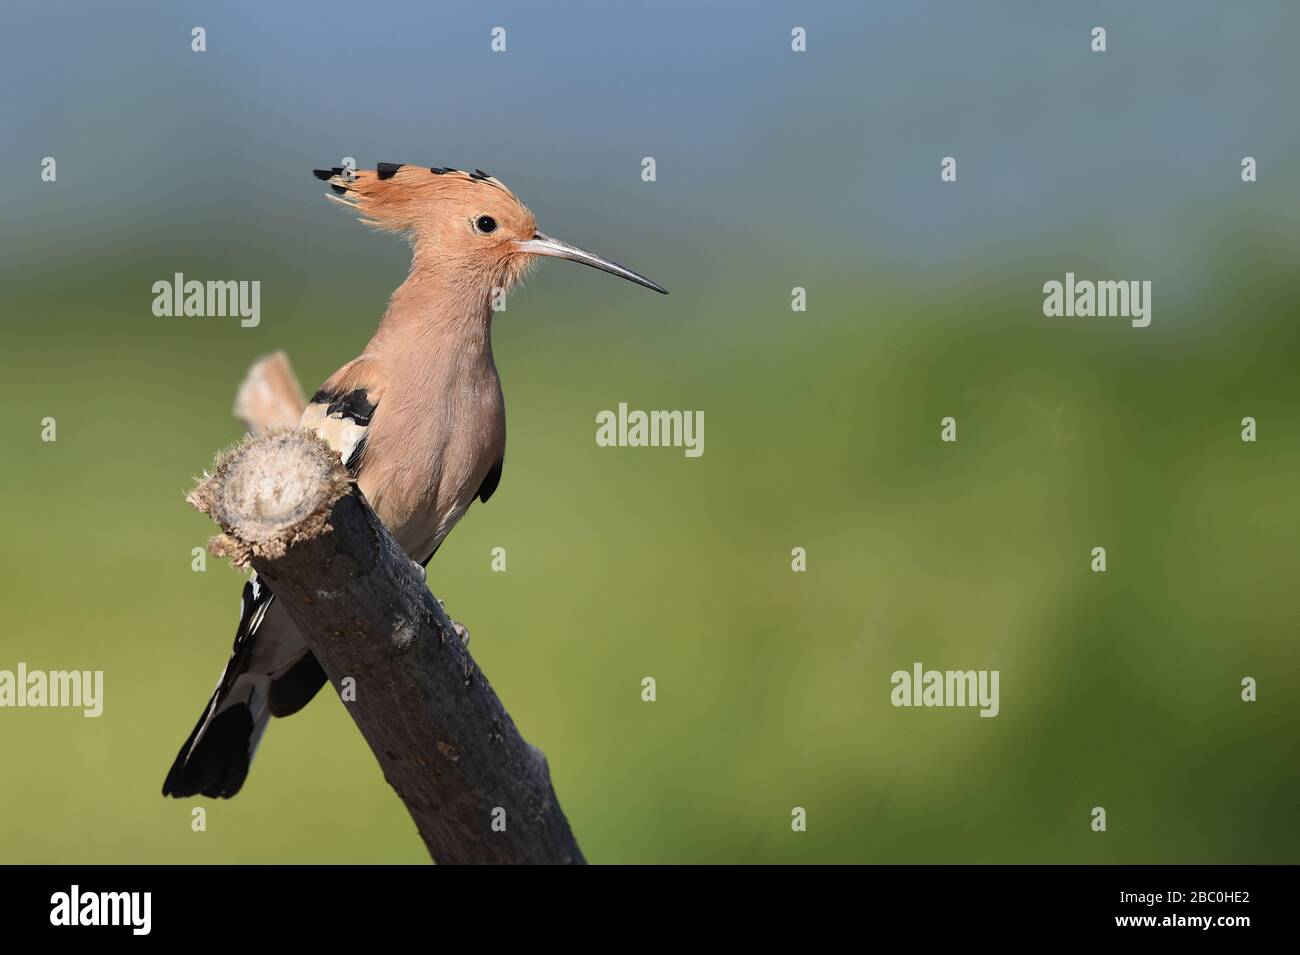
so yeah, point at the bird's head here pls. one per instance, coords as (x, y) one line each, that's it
(459, 220)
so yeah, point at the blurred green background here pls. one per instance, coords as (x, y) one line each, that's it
(776, 170)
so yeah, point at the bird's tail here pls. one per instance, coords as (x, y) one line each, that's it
(214, 760)
(271, 672)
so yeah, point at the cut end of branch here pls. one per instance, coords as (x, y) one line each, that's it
(270, 396)
(269, 491)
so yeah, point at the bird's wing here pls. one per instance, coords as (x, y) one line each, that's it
(342, 410)
(489, 485)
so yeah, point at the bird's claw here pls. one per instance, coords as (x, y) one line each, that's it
(460, 629)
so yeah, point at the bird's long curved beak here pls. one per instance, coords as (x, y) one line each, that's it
(541, 244)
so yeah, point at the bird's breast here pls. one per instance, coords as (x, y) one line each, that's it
(426, 460)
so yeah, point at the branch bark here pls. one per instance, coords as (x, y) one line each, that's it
(444, 741)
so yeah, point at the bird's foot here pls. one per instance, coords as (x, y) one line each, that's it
(461, 630)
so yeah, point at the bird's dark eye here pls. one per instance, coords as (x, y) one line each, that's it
(485, 224)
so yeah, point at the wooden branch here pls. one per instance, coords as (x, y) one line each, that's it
(270, 396)
(444, 741)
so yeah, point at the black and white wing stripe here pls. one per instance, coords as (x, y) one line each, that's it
(342, 419)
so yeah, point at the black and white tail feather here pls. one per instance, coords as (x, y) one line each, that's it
(270, 673)
(271, 670)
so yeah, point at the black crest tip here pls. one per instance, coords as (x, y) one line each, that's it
(386, 170)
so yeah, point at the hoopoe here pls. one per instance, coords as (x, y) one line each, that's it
(418, 418)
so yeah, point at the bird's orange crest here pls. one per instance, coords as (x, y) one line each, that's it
(466, 221)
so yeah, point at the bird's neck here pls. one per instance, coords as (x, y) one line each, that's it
(443, 309)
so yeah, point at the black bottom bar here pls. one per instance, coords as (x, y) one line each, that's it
(305, 904)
